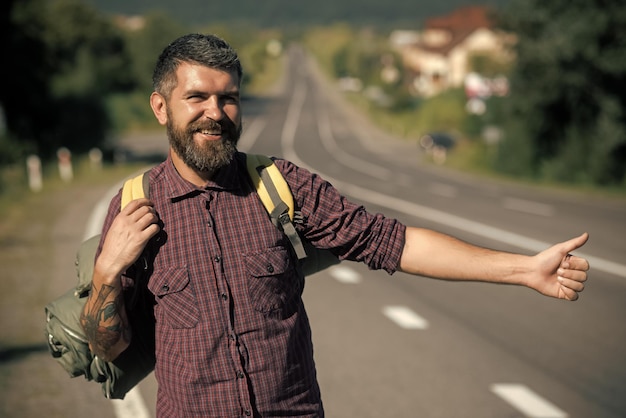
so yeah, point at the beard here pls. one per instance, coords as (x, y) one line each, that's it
(208, 156)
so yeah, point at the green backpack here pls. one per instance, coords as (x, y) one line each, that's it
(66, 339)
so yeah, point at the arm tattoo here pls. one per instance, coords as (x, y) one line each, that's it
(104, 321)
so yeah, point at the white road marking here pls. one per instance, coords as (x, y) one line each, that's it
(423, 212)
(404, 180)
(99, 212)
(345, 275)
(132, 406)
(405, 317)
(348, 160)
(444, 190)
(527, 206)
(288, 136)
(251, 134)
(527, 401)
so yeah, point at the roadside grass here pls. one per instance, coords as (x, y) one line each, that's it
(445, 112)
(474, 158)
(17, 201)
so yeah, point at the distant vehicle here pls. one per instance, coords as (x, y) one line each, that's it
(437, 145)
(437, 139)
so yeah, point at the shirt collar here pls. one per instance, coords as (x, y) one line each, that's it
(228, 178)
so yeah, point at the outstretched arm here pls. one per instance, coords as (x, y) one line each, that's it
(104, 316)
(552, 272)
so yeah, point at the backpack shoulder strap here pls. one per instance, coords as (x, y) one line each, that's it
(136, 188)
(276, 196)
(269, 183)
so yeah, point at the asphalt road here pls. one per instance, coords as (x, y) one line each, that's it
(472, 350)
(407, 346)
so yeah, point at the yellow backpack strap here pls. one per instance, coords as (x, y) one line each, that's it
(276, 196)
(258, 164)
(135, 188)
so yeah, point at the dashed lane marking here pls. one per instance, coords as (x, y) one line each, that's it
(405, 317)
(288, 139)
(444, 190)
(528, 206)
(345, 275)
(526, 401)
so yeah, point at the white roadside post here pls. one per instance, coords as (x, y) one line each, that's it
(95, 158)
(35, 178)
(65, 164)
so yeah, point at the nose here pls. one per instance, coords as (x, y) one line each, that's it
(213, 109)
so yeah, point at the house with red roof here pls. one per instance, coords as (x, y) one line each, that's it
(440, 56)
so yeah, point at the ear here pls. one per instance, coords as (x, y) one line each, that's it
(159, 107)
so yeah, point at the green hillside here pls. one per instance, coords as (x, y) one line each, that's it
(273, 13)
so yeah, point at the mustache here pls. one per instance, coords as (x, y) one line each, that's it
(209, 124)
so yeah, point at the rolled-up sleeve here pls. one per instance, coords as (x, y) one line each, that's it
(331, 221)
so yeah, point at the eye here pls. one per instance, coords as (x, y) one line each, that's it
(231, 99)
(195, 96)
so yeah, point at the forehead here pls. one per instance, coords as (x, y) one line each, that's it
(191, 76)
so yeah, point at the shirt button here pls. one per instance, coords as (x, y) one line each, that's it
(270, 268)
(165, 288)
(247, 412)
(217, 259)
(240, 374)
(224, 296)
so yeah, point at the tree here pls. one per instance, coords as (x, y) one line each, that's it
(130, 110)
(64, 59)
(27, 70)
(567, 109)
(147, 42)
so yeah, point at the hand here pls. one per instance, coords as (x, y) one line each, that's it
(130, 231)
(561, 274)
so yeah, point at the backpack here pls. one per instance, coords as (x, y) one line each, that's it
(66, 339)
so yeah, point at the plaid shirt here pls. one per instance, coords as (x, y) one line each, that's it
(232, 335)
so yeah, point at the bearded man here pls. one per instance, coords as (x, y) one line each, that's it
(232, 335)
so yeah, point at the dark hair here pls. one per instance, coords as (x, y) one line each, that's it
(207, 50)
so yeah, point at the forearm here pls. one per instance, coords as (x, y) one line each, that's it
(104, 318)
(432, 254)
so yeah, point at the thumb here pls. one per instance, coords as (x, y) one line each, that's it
(575, 243)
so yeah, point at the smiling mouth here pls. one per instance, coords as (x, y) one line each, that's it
(210, 132)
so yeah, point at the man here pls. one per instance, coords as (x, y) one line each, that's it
(232, 335)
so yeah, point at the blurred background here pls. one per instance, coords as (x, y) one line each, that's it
(508, 113)
(529, 89)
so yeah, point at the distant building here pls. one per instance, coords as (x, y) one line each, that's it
(439, 57)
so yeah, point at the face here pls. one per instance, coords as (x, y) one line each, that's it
(202, 116)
